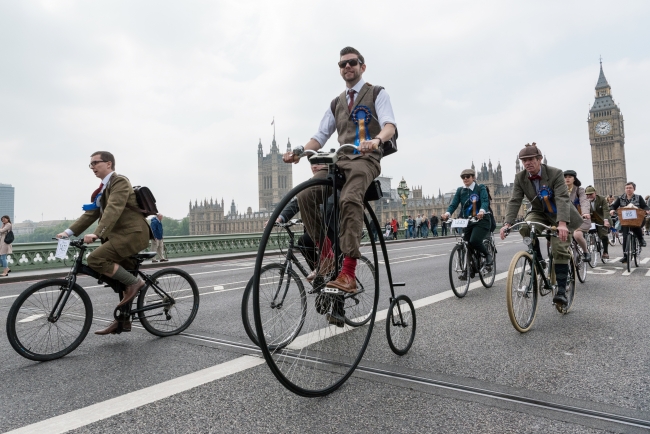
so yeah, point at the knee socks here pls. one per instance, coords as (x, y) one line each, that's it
(326, 251)
(561, 275)
(349, 266)
(123, 276)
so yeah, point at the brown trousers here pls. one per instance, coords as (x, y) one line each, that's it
(359, 174)
(158, 246)
(104, 258)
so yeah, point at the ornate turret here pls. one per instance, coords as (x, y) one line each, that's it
(518, 166)
(260, 154)
(288, 145)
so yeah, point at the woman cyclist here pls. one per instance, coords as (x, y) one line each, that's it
(474, 202)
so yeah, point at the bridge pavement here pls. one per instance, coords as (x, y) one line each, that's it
(594, 358)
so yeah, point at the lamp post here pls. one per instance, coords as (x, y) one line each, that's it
(403, 192)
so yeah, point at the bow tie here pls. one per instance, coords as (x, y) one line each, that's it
(534, 177)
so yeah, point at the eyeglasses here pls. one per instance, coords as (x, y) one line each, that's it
(351, 62)
(465, 176)
(95, 163)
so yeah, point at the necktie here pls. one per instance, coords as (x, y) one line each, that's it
(351, 103)
(96, 192)
(534, 177)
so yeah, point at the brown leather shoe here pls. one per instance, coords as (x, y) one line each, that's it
(324, 269)
(130, 292)
(112, 328)
(344, 283)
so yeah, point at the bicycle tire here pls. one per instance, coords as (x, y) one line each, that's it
(459, 265)
(247, 304)
(178, 315)
(324, 355)
(487, 279)
(630, 243)
(365, 276)
(400, 325)
(30, 319)
(637, 254)
(521, 295)
(612, 238)
(594, 251)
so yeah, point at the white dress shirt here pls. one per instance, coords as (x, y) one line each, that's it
(382, 105)
(104, 183)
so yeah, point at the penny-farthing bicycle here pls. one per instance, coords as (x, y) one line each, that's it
(325, 352)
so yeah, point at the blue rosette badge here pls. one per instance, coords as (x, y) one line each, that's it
(471, 208)
(361, 116)
(546, 196)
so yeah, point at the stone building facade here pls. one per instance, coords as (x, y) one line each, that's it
(607, 139)
(274, 177)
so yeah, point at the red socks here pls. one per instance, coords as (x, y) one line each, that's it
(349, 266)
(326, 251)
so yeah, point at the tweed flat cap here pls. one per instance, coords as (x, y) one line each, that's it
(530, 151)
(590, 190)
(468, 172)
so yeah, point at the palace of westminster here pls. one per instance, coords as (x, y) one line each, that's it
(606, 137)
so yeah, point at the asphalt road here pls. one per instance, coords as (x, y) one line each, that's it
(468, 369)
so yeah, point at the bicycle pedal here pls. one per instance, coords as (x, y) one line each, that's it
(334, 291)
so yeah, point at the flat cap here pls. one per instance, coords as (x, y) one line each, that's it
(590, 190)
(530, 151)
(468, 172)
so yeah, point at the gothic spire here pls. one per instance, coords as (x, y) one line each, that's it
(602, 81)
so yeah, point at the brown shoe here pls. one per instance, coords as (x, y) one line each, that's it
(324, 269)
(605, 255)
(130, 292)
(112, 328)
(343, 283)
(164, 260)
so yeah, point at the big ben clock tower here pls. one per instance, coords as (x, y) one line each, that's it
(607, 139)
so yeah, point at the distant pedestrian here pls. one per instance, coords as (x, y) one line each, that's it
(388, 228)
(411, 226)
(5, 248)
(157, 243)
(425, 226)
(443, 227)
(434, 224)
(418, 226)
(395, 226)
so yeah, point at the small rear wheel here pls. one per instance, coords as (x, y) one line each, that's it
(35, 334)
(459, 270)
(170, 304)
(521, 292)
(400, 325)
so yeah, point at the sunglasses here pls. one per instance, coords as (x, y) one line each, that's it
(465, 176)
(351, 62)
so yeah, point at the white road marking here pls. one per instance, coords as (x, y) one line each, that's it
(120, 404)
(32, 318)
(644, 261)
(218, 287)
(627, 273)
(648, 273)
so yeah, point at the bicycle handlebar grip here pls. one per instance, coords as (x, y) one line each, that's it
(296, 158)
(554, 228)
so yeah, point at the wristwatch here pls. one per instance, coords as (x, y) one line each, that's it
(381, 142)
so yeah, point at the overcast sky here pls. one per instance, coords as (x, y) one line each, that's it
(181, 92)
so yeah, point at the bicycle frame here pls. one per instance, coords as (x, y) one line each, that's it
(80, 268)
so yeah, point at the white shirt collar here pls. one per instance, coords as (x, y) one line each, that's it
(357, 87)
(106, 179)
(472, 185)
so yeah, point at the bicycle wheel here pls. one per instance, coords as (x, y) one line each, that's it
(459, 276)
(171, 303)
(637, 253)
(400, 325)
(612, 237)
(593, 249)
(487, 274)
(521, 292)
(284, 295)
(367, 286)
(327, 349)
(629, 250)
(29, 328)
(580, 264)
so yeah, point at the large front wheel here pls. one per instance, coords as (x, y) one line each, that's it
(521, 292)
(48, 320)
(337, 325)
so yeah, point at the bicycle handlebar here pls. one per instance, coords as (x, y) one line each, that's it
(300, 151)
(548, 228)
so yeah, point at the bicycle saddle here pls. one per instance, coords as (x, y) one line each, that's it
(144, 256)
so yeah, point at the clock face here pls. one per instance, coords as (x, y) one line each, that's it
(603, 127)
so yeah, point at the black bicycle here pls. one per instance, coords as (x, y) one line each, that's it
(282, 277)
(632, 250)
(465, 262)
(326, 350)
(51, 318)
(529, 275)
(595, 245)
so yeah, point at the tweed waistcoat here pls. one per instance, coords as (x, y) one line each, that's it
(345, 126)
